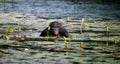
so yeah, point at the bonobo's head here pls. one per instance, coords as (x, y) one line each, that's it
(55, 27)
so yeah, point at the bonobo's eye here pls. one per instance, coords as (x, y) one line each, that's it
(56, 29)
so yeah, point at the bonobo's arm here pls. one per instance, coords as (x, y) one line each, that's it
(44, 32)
(63, 32)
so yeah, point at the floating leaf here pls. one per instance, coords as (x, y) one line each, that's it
(83, 20)
(19, 29)
(7, 37)
(64, 37)
(81, 45)
(68, 18)
(48, 27)
(87, 25)
(107, 28)
(66, 45)
(10, 29)
(50, 37)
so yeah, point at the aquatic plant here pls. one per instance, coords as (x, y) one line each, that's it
(10, 30)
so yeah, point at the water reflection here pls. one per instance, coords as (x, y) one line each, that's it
(61, 8)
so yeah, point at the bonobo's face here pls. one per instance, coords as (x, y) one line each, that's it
(56, 30)
(55, 26)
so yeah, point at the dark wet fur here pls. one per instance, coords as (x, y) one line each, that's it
(62, 30)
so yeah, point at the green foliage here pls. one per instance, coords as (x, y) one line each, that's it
(1, 1)
(7, 1)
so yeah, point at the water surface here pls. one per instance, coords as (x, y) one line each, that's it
(63, 8)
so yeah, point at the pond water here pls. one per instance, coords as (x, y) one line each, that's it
(62, 8)
(89, 45)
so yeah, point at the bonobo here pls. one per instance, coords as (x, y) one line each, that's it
(54, 29)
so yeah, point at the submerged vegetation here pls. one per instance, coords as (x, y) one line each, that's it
(89, 37)
(93, 37)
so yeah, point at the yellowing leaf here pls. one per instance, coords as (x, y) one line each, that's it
(83, 20)
(50, 37)
(107, 28)
(48, 27)
(64, 38)
(7, 37)
(19, 29)
(87, 25)
(10, 29)
(66, 45)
